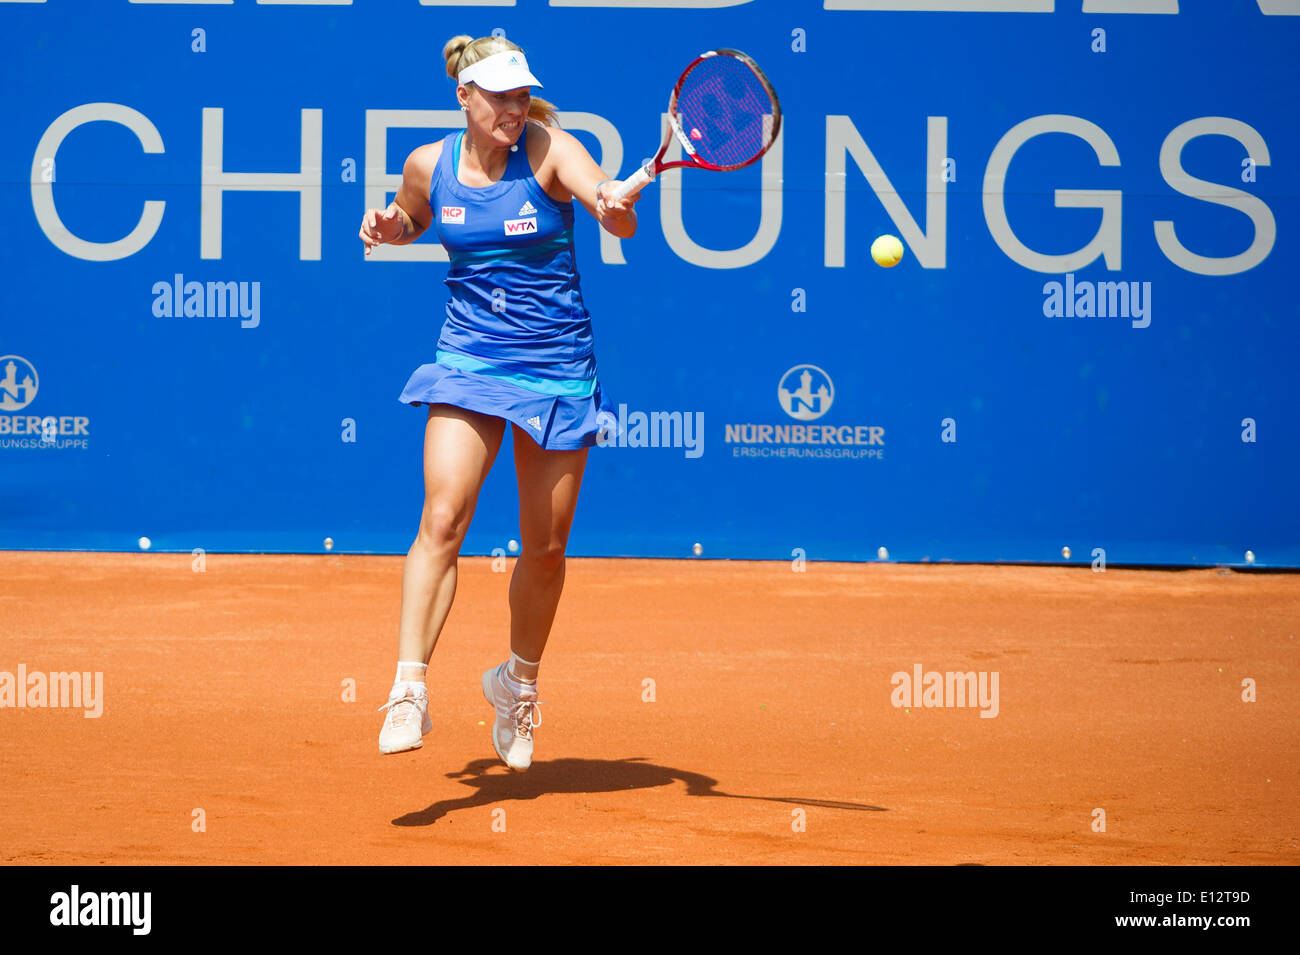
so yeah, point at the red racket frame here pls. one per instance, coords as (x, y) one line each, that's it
(656, 165)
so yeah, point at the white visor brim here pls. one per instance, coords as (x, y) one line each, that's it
(507, 70)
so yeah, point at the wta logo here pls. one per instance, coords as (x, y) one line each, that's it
(520, 226)
(805, 392)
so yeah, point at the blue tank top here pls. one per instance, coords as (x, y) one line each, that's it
(516, 304)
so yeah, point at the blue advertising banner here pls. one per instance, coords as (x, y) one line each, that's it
(1090, 341)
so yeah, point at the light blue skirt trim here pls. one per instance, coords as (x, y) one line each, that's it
(574, 388)
(554, 422)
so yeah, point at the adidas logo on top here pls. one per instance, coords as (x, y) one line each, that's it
(527, 209)
(535, 422)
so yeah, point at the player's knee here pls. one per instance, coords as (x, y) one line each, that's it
(547, 560)
(442, 525)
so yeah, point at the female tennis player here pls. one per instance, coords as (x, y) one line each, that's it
(516, 347)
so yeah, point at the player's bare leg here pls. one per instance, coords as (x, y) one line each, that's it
(459, 448)
(548, 496)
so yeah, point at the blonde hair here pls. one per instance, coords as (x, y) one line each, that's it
(463, 51)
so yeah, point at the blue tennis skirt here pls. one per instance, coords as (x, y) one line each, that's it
(559, 414)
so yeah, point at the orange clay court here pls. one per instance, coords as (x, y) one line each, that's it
(225, 691)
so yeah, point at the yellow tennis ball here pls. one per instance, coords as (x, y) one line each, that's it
(887, 251)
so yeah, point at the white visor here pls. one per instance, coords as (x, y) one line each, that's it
(507, 70)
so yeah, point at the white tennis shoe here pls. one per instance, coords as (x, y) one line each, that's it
(516, 718)
(407, 720)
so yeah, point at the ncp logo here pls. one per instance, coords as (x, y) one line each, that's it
(805, 392)
(19, 384)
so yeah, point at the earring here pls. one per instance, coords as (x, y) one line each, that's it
(464, 109)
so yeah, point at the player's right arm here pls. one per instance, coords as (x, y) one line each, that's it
(408, 215)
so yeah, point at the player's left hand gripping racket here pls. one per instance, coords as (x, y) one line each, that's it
(723, 111)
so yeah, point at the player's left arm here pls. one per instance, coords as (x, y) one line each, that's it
(578, 173)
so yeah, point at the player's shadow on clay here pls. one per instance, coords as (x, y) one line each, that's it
(493, 783)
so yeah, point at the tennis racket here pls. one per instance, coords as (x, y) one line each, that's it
(723, 111)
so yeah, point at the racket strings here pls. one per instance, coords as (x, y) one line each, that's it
(726, 110)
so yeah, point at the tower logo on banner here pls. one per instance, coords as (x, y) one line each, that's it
(18, 383)
(805, 392)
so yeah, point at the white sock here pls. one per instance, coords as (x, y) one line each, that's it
(517, 667)
(417, 686)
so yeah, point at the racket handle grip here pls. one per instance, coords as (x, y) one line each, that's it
(634, 183)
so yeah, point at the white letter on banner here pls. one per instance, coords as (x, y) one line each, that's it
(611, 157)
(47, 216)
(1130, 6)
(769, 219)
(1107, 242)
(380, 183)
(643, 4)
(1280, 8)
(946, 6)
(306, 182)
(931, 246)
(1171, 167)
